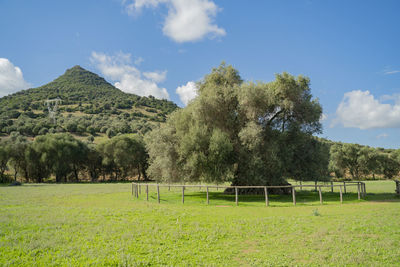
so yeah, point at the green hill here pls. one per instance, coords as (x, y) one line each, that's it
(89, 105)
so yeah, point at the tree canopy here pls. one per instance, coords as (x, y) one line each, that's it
(243, 132)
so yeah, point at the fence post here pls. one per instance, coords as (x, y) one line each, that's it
(158, 194)
(331, 186)
(294, 195)
(169, 187)
(301, 185)
(320, 195)
(344, 186)
(365, 190)
(132, 189)
(341, 194)
(362, 189)
(236, 195)
(266, 196)
(358, 190)
(140, 189)
(183, 194)
(208, 201)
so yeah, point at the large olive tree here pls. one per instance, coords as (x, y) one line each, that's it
(242, 132)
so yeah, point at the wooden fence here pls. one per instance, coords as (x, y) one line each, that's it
(361, 190)
(397, 187)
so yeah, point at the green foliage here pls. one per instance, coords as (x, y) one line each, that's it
(66, 159)
(124, 154)
(360, 160)
(5, 155)
(60, 154)
(245, 133)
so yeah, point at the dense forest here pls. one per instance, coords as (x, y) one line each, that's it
(234, 131)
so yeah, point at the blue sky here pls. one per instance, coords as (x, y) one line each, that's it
(349, 49)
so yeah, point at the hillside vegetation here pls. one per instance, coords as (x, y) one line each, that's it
(90, 105)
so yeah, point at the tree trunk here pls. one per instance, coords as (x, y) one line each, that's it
(76, 174)
(143, 170)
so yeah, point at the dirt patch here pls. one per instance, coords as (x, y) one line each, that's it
(251, 247)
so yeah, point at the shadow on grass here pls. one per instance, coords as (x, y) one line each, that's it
(302, 198)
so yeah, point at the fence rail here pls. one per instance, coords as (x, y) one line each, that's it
(361, 190)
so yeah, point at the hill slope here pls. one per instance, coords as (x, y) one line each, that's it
(89, 105)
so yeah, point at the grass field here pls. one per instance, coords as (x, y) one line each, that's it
(102, 224)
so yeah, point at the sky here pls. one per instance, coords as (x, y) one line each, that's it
(349, 49)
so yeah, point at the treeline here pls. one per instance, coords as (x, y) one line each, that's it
(62, 158)
(357, 162)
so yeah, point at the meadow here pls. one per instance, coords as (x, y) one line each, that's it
(103, 224)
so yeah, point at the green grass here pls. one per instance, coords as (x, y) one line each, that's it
(102, 224)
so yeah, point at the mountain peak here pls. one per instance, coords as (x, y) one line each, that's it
(79, 78)
(76, 68)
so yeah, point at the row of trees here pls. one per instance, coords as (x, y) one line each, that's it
(63, 158)
(359, 161)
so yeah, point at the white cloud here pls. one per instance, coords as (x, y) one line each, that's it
(394, 97)
(383, 135)
(156, 76)
(187, 20)
(138, 61)
(11, 78)
(135, 6)
(187, 92)
(388, 72)
(360, 109)
(128, 78)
